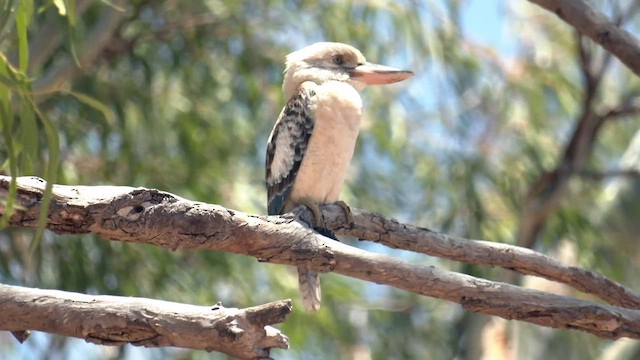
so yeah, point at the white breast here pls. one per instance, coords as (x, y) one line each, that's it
(337, 109)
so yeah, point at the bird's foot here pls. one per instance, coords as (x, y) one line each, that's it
(347, 213)
(319, 219)
(317, 213)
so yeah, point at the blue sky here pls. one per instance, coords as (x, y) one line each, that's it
(483, 21)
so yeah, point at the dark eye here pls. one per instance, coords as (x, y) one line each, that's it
(338, 59)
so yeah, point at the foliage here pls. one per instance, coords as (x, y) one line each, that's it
(181, 96)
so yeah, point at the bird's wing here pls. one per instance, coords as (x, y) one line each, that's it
(287, 146)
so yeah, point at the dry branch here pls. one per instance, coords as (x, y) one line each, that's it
(371, 226)
(594, 24)
(162, 219)
(114, 320)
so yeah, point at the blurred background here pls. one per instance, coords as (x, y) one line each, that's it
(513, 130)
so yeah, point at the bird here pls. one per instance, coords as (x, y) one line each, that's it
(314, 137)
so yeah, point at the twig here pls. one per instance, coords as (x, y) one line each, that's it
(603, 175)
(546, 193)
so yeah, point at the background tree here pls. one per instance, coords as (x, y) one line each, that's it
(181, 96)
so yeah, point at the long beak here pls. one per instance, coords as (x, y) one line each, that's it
(374, 74)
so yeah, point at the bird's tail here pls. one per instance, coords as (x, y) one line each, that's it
(309, 284)
(309, 281)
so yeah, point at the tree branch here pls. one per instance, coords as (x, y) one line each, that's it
(630, 107)
(114, 320)
(163, 219)
(594, 24)
(374, 227)
(547, 192)
(607, 174)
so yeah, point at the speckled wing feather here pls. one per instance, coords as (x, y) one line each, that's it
(286, 148)
(285, 151)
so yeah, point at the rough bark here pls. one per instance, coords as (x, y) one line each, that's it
(162, 219)
(374, 227)
(114, 320)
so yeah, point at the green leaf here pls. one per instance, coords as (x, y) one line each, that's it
(6, 120)
(62, 7)
(5, 82)
(51, 173)
(29, 138)
(114, 6)
(23, 19)
(97, 105)
(71, 12)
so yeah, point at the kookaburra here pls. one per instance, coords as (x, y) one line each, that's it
(312, 141)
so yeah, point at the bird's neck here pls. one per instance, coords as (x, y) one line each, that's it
(295, 75)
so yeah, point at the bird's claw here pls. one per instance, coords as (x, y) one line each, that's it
(347, 213)
(319, 219)
(317, 213)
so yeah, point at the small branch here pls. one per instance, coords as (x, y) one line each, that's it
(626, 110)
(594, 24)
(603, 175)
(115, 320)
(549, 189)
(163, 219)
(547, 192)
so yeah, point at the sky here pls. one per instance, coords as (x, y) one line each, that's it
(484, 22)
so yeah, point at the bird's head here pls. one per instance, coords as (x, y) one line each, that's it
(330, 61)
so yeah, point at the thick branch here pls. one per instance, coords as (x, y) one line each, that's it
(114, 320)
(162, 219)
(594, 24)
